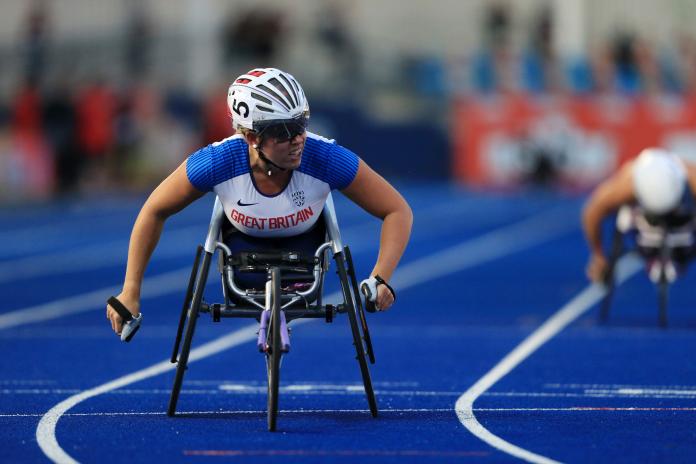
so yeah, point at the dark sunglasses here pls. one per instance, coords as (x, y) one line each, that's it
(285, 130)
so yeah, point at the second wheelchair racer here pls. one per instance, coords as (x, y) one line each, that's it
(273, 178)
(658, 187)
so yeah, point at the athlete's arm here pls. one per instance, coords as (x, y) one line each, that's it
(607, 198)
(691, 175)
(170, 197)
(375, 195)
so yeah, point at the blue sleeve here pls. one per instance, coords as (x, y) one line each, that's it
(215, 164)
(342, 167)
(199, 169)
(329, 162)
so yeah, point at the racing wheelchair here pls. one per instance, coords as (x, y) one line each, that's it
(665, 249)
(288, 285)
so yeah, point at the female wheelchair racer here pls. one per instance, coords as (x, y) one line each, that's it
(272, 179)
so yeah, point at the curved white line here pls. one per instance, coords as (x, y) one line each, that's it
(627, 267)
(46, 430)
(524, 234)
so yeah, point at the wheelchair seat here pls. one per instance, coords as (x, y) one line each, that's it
(251, 257)
(655, 240)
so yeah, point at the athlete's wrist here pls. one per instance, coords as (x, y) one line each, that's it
(131, 290)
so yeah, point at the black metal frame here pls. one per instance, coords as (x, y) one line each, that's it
(194, 304)
(618, 249)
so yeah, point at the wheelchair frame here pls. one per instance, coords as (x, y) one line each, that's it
(277, 302)
(664, 241)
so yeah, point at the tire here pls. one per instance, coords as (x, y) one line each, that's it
(187, 304)
(609, 278)
(355, 329)
(274, 352)
(201, 281)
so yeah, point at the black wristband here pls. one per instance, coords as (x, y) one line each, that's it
(384, 282)
(120, 309)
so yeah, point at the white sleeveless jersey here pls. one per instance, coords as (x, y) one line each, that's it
(223, 167)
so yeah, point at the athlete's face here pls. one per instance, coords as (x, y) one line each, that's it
(285, 152)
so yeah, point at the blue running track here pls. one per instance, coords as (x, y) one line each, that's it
(485, 275)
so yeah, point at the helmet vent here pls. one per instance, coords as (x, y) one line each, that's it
(281, 88)
(263, 108)
(280, 99)
(294, 94)
(261, 98)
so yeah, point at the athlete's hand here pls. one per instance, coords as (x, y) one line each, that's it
(384, 298)
(597, 268)
(378, 294)
(133, 305)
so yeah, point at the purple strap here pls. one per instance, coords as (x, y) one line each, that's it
(263, 328)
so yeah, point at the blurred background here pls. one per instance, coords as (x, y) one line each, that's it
(110, 96)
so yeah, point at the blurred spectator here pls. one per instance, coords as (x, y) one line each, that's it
(603, 69)
(648, 67)
(127, 137)
(497, 25)
(540, 66)
(26, 109)
(60, 125)
(686, 63)
(496, 68)
(628, 79)
(253, 35)
(138, 39)
(183, 106)
(333, 33)
(36, 41)
(26, 166)
(96, 115)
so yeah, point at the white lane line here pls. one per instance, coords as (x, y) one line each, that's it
(409, 275)
(627, 267)
(357, 389)
(94, 256)
(233, 411)
(614, 386)
(583, 409)
(152, 287)
(365, 411)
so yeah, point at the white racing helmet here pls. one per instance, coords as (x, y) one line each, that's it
(659, 180)
(265, 97)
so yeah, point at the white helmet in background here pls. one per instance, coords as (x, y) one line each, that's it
(659, 180)
(264, 97)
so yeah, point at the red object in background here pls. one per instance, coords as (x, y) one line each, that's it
(493, 139)
(96, 113)
(217, 121)
(26, 111)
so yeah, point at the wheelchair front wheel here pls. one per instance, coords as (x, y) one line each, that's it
(274, 350)
(190, 328)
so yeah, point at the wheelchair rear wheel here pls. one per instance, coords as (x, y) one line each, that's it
(273, 351)
(609, 278)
